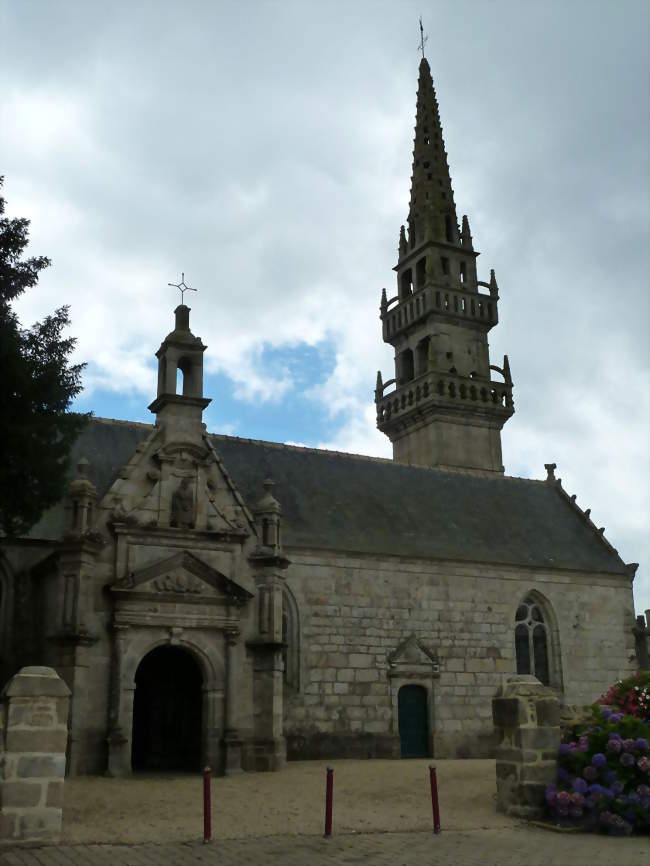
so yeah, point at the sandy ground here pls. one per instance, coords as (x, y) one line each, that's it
(368, 796)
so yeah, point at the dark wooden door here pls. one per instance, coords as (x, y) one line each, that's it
(167, 712)
(413, 721)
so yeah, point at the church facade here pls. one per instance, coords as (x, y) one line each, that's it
(224, 601)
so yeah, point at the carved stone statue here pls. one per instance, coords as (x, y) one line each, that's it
(183, 506)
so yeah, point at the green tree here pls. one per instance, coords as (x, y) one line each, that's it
(37, 385)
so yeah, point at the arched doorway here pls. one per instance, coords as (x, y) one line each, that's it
(413, 721)
(167, 711)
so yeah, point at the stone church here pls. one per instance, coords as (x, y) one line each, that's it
(231, 602)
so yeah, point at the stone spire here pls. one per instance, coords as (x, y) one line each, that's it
(432, 205)
(445, 408)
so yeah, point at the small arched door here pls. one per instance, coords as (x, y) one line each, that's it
(167, 711)
(413, 721)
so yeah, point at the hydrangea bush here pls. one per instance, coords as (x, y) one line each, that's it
(630, 696)
(603, 777)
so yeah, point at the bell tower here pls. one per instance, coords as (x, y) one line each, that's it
(180, 415)
(443, 408)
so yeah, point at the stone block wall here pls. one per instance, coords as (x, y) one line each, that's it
(356, 610)
(527, 722)
(34, 739)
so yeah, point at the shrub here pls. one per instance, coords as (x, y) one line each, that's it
(603, 776)
(630, 696)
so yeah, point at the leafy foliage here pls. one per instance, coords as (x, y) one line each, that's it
(603, 776)
(631, 696)
(37, 385)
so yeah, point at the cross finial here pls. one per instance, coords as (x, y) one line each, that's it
(423, 39)
(182, 288)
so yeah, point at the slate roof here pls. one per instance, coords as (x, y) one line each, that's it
(367, 505)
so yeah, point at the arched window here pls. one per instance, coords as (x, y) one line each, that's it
(532, 640)
(291, 641)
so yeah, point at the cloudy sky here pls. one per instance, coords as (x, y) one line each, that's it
(264, 148)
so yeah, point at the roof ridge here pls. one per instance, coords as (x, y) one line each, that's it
(372, 459)
(328, 451)
(121, 421)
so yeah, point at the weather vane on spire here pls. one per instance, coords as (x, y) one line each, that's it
(182, 288)
(423, 39)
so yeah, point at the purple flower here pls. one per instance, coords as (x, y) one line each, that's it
(614, 736)
(551, 794)
(644, 764)
(628, 745)
(609, 776)
(564, 749)
(590, 773)
(563, 801)
(562, 776)
(617, 788)
(596, 791)
(641, 744)
(616, 717)
(627, 760)
(613, 746)
(583, 744)
(643, 790)
(599, 760)
(577, 800)
(579, 785)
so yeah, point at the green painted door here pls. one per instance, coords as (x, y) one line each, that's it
(413, 721)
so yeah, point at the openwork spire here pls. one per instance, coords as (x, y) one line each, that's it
(432, 212)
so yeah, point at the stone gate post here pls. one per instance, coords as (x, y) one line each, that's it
(35, 705)
(526, 718)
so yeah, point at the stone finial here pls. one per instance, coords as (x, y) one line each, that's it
(466, 235)
(402, 241)
(506, 370)
(384, 302)
(494, 288)
(550, 471)
(379, 387)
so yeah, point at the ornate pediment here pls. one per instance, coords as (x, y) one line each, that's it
(177, 485)
(412, 657)
(182, 575)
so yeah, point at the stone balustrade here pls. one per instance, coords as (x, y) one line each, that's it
(446, 389)
(398, 314)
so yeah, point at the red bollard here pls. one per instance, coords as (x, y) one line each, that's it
(434, 798)
(329, 794)
(207, 814)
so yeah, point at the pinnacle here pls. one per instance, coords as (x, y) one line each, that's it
(432, 212)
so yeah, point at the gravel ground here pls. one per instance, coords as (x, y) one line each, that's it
(369, 796)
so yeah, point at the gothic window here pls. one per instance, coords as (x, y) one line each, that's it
(290, 641)
(422, 351)
(420, 272)
(532, 640)
(405, 366)
(407, 283)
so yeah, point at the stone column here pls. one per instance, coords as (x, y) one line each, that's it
(34, 738)
(526, 718)
(119, 741)
(231, 740)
